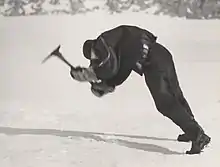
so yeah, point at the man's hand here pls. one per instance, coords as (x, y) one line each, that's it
(82, 74)
(100, 89)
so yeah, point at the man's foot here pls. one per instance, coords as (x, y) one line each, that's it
(199, 144)
(183, 138)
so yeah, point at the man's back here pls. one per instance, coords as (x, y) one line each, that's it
(126, 43)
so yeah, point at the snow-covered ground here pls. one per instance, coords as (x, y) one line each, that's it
(49, 120)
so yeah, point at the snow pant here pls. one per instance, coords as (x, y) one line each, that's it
(161, 79)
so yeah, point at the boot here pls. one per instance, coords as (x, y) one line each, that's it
(198, 145)
(183, 138)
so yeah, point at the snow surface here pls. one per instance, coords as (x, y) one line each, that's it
(49, 120)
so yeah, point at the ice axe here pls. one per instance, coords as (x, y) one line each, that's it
(59, 55)
(56, 52)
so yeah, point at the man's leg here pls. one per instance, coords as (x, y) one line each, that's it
(177, 92)
(161, 78)
(174, 83)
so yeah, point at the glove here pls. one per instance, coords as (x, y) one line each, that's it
(76, 73)
(97, 93)
(101, 89)
(82, 74)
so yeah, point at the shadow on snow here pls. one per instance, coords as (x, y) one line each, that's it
(95, 136)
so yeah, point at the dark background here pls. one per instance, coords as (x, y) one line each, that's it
(190, 9)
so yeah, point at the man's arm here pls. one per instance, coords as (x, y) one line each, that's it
(102, 67)
(98, 87)
(83, 74)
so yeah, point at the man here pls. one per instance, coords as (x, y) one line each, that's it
(119, 51)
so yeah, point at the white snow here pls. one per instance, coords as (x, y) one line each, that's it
(47, 119)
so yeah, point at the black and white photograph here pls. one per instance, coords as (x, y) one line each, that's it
(109, 83)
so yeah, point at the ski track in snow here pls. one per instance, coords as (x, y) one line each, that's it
(47, 119)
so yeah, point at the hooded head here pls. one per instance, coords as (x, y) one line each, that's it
(87, 48)
(107, 61)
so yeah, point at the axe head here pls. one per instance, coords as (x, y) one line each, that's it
(55, 52)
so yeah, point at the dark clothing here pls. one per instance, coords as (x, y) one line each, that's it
(127, 44)
(158, 69)
(161, 78)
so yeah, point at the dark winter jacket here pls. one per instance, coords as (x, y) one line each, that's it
(117, 51)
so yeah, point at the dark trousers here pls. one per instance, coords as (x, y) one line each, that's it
(161, 79)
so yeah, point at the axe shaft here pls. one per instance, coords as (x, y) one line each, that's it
(59, 55)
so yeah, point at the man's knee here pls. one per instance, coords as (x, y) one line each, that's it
(165, 104)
